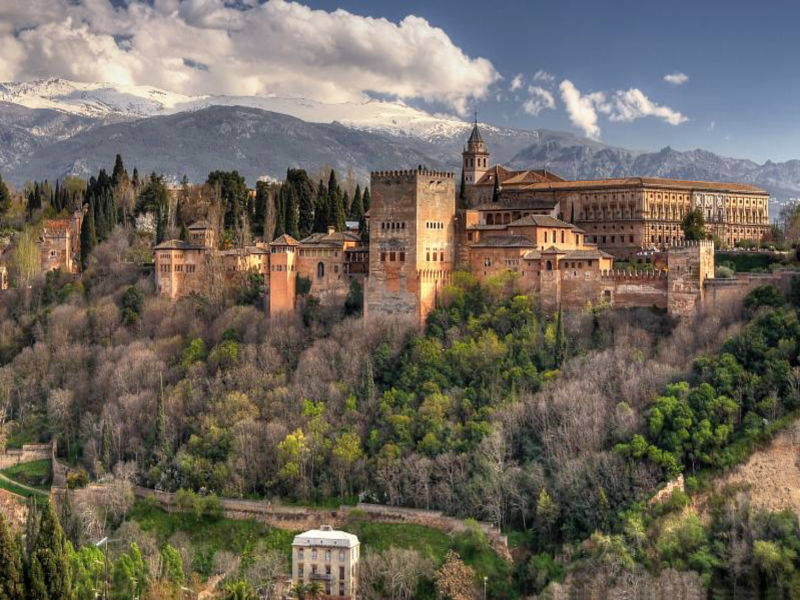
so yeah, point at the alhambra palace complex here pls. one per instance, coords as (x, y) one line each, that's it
(561, 237)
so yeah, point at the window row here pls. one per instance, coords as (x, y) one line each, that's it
(434, 225)
(281, 268)
(318, 252)
(431, 256)
(393, 225)
(393, 256)
(178, 268)
(327, 554)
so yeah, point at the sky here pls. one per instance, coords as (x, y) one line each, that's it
(717, 75)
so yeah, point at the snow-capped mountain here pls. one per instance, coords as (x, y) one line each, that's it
(53, 127)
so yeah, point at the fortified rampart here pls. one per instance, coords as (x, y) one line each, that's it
(28, 453)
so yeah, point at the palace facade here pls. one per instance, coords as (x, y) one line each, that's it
(621, 215)
(559, 238)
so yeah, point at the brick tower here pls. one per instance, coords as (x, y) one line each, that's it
(282, 274)
(411, 241)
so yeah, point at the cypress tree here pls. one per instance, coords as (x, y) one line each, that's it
(333, 199)
(88, 237)
(160, 444)
(462, 191)
(119, 175)
(346, 204)
(560, 349)
(11, 574)
(366, 200)
(306, 211)
(262, 197)
(160, 225)
(49, 574)
(69, 520)
(280, 212)
(321, 209)
(290, 207)
(496, 188)
(357, 205)
(5, 197)
(135, 179)
(105, 447)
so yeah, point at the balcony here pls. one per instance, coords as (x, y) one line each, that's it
(321, 577)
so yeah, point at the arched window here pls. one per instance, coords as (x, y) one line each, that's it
(320, 270)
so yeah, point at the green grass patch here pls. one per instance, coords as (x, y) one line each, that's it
(377, 537)
(36, 474)
(33, 430)
(743, 262)
(208, 536)
(12, 487)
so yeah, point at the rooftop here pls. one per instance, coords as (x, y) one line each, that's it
(284, 240)
(504, 241)
(653, 182)
(176, 245)
(326, 537)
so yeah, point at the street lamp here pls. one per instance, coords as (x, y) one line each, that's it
(485, 580)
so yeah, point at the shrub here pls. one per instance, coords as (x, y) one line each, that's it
(77, 478)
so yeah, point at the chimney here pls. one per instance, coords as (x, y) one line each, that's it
(331, 229)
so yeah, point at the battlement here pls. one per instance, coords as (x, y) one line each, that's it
(620, 274)
(687, 244)
(418, 172)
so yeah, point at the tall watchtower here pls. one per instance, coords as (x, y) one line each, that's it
(475, 157)
(282, 274)
(411, 241)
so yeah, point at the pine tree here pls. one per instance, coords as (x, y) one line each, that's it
(49, 573)
(88, 237)
(11, 574)
(5, 197)
(321, 209)
(560, 349)
(105, 447)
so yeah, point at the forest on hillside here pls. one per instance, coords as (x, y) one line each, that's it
(556, 427)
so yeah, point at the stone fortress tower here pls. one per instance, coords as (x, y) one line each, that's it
(411, 243)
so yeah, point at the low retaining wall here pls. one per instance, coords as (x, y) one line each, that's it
(298, 518)
(28, 453)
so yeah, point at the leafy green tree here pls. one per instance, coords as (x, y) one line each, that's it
(11, 573)
(547, 515)
(239, 590)
(694, 225)
(354, 303)
(5, 198)
(130, 575)
(172, 565)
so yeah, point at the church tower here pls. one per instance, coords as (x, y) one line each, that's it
(475, 157)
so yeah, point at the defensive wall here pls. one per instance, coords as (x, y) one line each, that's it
(28, 453)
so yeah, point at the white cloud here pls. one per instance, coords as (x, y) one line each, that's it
(276, 48)
(582, 109)
(632, 104)
(621, 106)
(516, 83)
(712, 126)
(676, 78)
(539, 99)
(541, 75)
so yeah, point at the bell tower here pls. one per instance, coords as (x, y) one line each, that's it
(475, 157)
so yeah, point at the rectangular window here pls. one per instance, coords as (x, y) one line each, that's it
(313, 569)
(428, 256)
(300, 570)
(300, 554)
(328, 559)
(441, 256)
(402, 257)
(341, 559)
(328, 569)
(383, 256)
(313, 555)
(392, 256)
(341, 588)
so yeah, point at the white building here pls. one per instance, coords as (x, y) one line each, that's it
(328, 557)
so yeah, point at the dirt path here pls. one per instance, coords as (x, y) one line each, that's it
(23, 486)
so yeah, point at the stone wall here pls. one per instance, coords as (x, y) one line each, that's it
(28, 453)
(298, 518)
